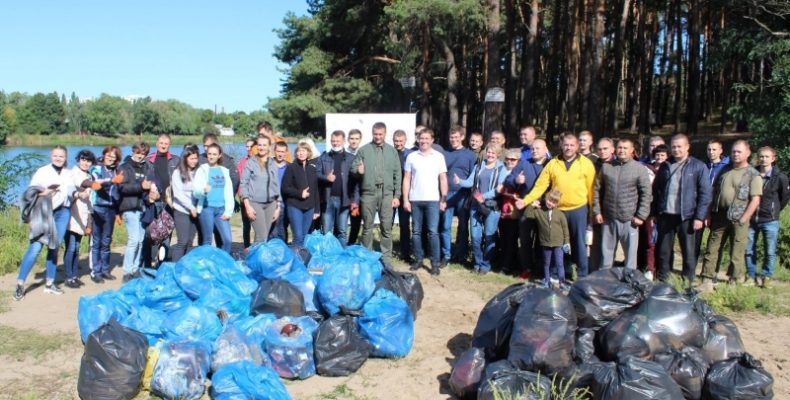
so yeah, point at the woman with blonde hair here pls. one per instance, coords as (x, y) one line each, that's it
(300, 190)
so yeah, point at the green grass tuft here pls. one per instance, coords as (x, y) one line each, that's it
(20, 344)
(737, 298)
(341, 392)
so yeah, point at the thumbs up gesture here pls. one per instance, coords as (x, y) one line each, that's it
(520, 178)
(117, 179)
(146, 184)
(456, 179)
(331, 177)
(361, 168)
(306, 192)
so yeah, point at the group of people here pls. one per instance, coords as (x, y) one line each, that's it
(523, 209)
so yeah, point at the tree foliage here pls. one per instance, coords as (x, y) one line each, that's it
(42, 114)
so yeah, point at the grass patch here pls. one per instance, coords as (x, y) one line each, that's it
(736, 298)
(5, 300)
(782, 274)
(559, 390)
(341, 392)
(22, 343)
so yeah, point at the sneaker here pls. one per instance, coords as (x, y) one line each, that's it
(79, 281)
(766, 283)
(749, 281)
(97, 278)
(108, 276)
(565, 286)
(546, 283)
(19, 293)
(72, 284)
(554, 282)
(53, 289)
(130, 277)
(649, 276)
(443, 263)
(435, 270)
(416, 266)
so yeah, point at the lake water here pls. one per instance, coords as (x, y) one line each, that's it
(8, 152)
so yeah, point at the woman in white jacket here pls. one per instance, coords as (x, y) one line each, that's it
(213, 191)
(80, 223)
(184, 205)
(56, 185)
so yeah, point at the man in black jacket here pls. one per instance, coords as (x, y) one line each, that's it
(776, 194)
(336, 186)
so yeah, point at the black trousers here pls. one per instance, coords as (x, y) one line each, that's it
(669, 226)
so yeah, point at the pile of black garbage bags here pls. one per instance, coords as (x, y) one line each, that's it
(239, 327)
(614, 336)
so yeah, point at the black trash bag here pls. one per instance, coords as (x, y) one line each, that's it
(603, 295)
(701, 307)
(339, 348)
(687, 367)
(544, 332)
(316, 316)
(582, 376)
(634, 379)
(585, 346)
(467, 371)
(723, 341)
(492, 332)
(665, 320)
(404, 284)
(507, 383)
(739, 378)
(277, 297)
(113, 363)
(301, 252)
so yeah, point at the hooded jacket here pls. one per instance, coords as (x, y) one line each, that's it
(133, 196)
(776, 194)
(325, 165)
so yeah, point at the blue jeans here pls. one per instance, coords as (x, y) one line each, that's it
(211, 218)
(770, 231)
(132, 257)
(577, 228)
(101, 238)
(300, 221)
(61, 218)
(71, 257)
(556, 254)
(425, 212)
(483, 238)
(455, 207)
(280, 230)
(334, 219)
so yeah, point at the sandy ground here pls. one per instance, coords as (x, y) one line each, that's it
(443, 330)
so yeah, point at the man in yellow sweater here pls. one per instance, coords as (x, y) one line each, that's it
(573, 175)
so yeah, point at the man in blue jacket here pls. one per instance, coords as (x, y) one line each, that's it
(337, 191)
(460, 161)
(682, 193)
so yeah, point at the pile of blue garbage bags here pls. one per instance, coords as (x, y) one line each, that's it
(613, 336)
(237, 327)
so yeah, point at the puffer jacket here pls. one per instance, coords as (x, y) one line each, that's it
(776, 194)
(695, 189)
(622, 191)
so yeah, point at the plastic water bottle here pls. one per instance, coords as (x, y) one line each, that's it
(588, 236)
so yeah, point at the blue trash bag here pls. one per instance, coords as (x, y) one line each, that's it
(94, 311)
(322, 245)
(372, 258)
(348, 283)
(318, 264)
(305, 282)
(245, 380)
(195, 323)
(218, 298)
(132, 292)
(163, 294)
(289, 345)
(255, 327)
(195, 271)
(271, 260)
(146, 321)
(234, 345)
(387, 323)
(181, 370)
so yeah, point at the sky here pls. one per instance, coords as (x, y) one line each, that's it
(205, 53)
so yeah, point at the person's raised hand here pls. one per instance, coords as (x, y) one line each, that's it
(331, 177)
(361, 168)
(306, 192)
(520, 178)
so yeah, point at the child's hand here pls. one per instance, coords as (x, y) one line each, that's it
(566, 248)
(536, 204)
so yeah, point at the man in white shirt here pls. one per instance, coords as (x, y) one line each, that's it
(425, 196)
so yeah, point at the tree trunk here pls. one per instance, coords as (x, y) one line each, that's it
(662, 100)
(529, 64)
(634, 68)
(425, 79)
(573, 53)
(511, 96)
(556, 78)
(692, 103)
(452, 85)
(646, 87)
(493, 115)
(594, 117)
(678, 65)
(617, 71)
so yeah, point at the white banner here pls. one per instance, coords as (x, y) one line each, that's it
(364, 122)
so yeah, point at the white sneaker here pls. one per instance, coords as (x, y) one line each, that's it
(649, 276)
(554, 282)
(53, 289)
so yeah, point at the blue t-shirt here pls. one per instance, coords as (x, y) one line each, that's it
(460, 162)
(216, 179)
